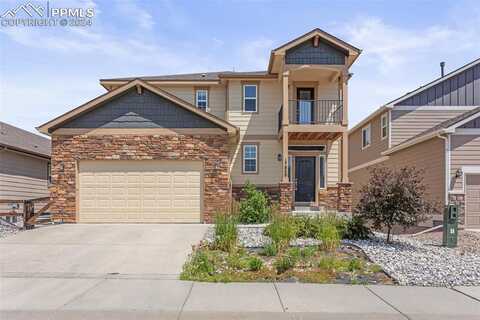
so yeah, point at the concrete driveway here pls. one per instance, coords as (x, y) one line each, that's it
(92, 251)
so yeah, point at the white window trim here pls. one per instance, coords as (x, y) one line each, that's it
(249, 98)
(384, 117)
(324, 171)
(369, 128)
(244, 158)
(196, 98)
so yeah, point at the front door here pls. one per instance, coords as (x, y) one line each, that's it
(305, 178)
(305, 103)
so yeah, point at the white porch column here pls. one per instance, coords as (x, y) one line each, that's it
(285, 122)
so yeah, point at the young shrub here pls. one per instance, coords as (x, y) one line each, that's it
(332, 264)
(282, 230)
(329, 236)
(295, 253)
(225, 232)
(308, 253)
(284, 263)
(254, 208)
(255, 264)
(355, 265)
(270, 250)
(356, 229)
(236, 260)
(394, 198)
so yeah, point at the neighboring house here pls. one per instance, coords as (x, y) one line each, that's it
(435, 128)
(24, 166)
(176, 148)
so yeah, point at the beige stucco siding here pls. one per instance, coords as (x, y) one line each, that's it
(465, 151)
(269, 168)
(265, 121)
(428, 156)
(408, 123)
(216, 96)
(357, 156)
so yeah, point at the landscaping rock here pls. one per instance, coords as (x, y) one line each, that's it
(6, 231)
(251, 236)
(414, 262)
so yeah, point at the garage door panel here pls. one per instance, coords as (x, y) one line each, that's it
(472, 214)
(140, 191)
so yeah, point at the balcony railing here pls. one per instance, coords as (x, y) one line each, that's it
(313, 112)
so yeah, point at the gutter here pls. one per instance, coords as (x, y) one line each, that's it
(447, 164)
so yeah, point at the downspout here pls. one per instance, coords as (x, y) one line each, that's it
(447, 165)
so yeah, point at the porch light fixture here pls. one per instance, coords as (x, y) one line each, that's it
(279, 157)
(458, 173)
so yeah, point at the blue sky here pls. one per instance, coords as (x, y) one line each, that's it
(48, 71)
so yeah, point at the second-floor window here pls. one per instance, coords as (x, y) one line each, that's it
(201, 99)
(250, 98)
(250, 158)
(384, 126)
(366, 136)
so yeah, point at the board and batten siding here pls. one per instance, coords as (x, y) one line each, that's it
(464, 151)
(463, 89)
(409, 123)
(263, 122)
(357, 156)
(216, 96)
(22, 177)
(428, 156)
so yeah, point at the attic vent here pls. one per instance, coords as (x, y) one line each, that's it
(316, 41)
(203, 75)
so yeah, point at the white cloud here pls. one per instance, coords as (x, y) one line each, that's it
(254, 54)
(130, 10)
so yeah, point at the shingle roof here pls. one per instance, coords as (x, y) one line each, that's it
(205, 76)
(446, 124)
(22, 140)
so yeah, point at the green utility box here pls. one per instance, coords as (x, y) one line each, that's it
(450, 226)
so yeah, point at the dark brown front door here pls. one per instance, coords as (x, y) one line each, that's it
(305, 103)
(305, 177)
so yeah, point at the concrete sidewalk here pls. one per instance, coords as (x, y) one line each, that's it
(120, 298)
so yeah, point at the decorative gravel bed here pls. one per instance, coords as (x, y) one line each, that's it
(415, 262)
(251, 236)
(6, 231)
(468, 241)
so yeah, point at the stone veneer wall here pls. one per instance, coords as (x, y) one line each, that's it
(337, 198)
(458, 199)
(273, 192)
(286, 197)
(67, 150)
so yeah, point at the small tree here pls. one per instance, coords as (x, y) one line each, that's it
(394, 198)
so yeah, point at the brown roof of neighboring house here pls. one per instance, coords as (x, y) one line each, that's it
(22, 140)
(205, 76)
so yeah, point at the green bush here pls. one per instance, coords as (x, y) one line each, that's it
(282, 230)
(331, 263)
(309, 227)
(284, 263)
(295, 253)
(270, 250)
(329, 236)
(308, 252)
(255, 264)
(355, 265)
(356, 229)
(254, 208)
(237, 260)
(200, 267)
(225, 232)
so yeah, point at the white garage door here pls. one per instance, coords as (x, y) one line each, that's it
(472, 216)
(140, 191)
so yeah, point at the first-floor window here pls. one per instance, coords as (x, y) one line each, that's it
(201, 98)
(250, 158)
(49, 172)
(366, 137)
(323, 172)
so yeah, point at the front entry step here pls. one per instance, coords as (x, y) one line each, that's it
(308, 211)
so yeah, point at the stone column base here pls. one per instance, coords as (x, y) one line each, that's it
(286, 197)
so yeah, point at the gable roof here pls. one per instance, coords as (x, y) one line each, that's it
(446, 126)
(330, 39)
(24, 141)
(51, 125)
(391, 104)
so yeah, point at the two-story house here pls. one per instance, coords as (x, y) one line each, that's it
(176, 148)
(436, 129)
